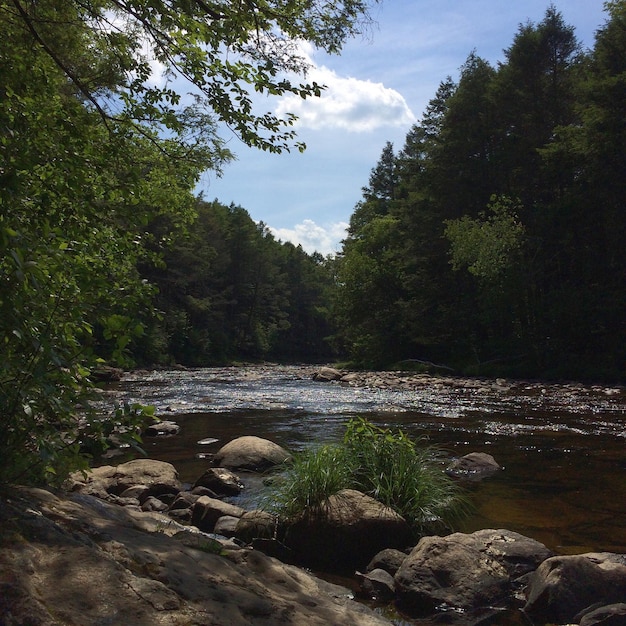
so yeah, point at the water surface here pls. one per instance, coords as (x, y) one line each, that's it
(562, 447)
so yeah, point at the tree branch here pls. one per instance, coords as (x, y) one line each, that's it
(62, 66)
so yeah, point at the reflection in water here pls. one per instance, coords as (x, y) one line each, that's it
(562, 446)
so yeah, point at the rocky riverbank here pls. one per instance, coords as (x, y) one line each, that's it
(406, 380)
(131, 544)
(76, 560)
(112, 550)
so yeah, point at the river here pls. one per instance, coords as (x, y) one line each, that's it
(562, 446)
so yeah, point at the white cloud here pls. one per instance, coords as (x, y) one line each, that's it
(312, 237)
(347, 103)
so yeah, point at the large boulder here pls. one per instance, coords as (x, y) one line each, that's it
(345, 532)
(108, 481)
(251, 453)
(465, 571)
(564, 586)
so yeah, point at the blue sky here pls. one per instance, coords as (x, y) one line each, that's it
(377, 88)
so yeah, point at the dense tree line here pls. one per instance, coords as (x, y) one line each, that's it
(495, 236)
(227, 290)
(493, 241)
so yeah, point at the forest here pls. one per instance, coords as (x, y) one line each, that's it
(493, 240)
(491, 243)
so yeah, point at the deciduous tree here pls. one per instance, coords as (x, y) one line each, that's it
(95, 147)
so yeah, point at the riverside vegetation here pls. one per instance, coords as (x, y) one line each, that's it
(389, 466)
(492, 243)
(123, 561)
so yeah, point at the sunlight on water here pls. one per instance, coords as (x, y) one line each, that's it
(561, 446)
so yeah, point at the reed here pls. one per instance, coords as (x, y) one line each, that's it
(311, 477)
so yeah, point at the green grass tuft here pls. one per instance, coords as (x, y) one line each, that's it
(399, 472)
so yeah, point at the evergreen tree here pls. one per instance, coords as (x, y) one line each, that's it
(378, 197)
(501, 246)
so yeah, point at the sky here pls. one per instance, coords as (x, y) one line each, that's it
(377, 88)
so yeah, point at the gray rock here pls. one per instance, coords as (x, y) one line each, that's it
(377, 585)
(163, 428)
(345, 532)
(389, 559)
(220, 481)
(114, 480)
(203, 491)
(115, 571)
(184, 500)
(442, 572)
(564, 586)
(255, 525)
(126, 501)
(611, 615)
(475, 465)
(517, 553)
(251, 453)
(153, 504)
(136, 491)
(163, 491)
(327, 374)
(466, 571)
(180, 515)
(206, 511)
(226, 525)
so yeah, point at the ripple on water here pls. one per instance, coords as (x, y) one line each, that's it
(562, 447)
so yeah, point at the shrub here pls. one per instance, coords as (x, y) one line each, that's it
(403, 474)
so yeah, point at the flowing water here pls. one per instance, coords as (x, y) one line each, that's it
(562, 447)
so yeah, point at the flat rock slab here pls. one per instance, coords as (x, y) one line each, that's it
(88, 563)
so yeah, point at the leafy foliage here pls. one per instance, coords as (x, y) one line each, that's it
(100, 157)
(226, 52)
(486, 246)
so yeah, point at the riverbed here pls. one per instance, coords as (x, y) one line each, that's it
(562, 447)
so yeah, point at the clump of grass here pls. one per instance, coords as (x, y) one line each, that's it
(399, 472)
(312, 477)
(404, 474)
